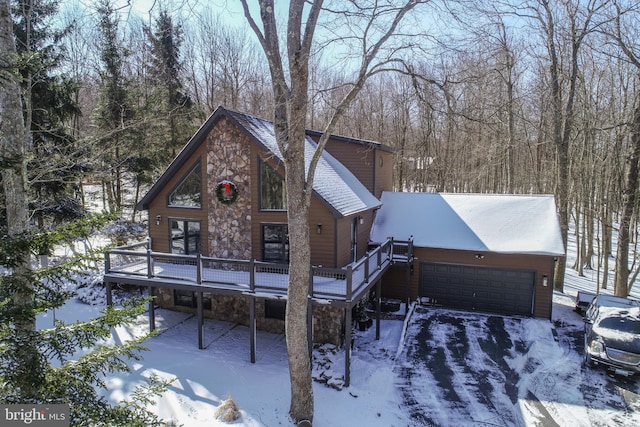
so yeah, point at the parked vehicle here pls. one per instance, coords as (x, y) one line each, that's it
(583, 300)
(612, 334)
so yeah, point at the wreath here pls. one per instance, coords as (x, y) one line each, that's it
(226, 192)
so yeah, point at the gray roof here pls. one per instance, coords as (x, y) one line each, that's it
(333, 182)
(516, 224)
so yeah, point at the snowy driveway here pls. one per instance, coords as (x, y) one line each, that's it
(469, 369)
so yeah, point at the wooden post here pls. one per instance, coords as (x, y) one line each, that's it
(310, 315)
(199, 268)
(366, 267)
(149, 264)
(347, 345)
(252, 310)
(200, 309)
(408, 295)
(252, 327)
(152, 313)
(109, 296)
(378, 304)
(349, 278)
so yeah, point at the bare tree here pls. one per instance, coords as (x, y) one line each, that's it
(290, 83)
(621, 34)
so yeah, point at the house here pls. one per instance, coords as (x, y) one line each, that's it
(485, 252)
(218, 237)
(223, 197)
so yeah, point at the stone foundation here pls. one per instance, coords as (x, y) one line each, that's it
(328, 322)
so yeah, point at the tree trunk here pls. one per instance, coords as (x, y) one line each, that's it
(621, 285)
(13, 143)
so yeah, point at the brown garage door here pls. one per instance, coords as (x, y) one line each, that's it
(494, 290)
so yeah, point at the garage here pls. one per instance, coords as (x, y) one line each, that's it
(493, 253)
(476, 288)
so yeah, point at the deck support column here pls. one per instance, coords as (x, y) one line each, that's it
(252, 327)
(407, 283)
(347, 345)
(152, 312)
(200, 309)
(378, 308)
(109, 294)
(252, 310)
(310, 316)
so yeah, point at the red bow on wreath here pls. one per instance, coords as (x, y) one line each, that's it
(227, 188)
(226, 192)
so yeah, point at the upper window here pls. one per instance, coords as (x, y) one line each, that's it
(273, 194)
(188, 193)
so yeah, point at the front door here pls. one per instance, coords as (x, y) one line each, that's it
(184, 236)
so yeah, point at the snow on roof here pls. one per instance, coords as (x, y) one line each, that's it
(476, 222)
(332, 181)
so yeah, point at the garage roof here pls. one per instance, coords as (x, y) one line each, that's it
(522, 224)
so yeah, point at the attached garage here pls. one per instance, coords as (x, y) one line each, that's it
(476, 288)
(478, 252)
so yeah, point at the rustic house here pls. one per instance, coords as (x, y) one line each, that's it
(218, 237)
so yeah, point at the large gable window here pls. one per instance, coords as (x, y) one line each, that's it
(187, 193)
(273, 194)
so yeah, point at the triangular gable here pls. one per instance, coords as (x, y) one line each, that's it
(333, 182)
(474, 222)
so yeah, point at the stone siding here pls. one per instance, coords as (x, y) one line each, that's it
(328, 321)
(228, 158)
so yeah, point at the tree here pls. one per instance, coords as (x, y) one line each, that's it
(14, 137)
(55, 167)
(621, 34)
(579, 24)
(290, 84)
(115, 114)
(42, 366)
(165, 41)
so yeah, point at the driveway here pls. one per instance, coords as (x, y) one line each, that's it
(459, 368)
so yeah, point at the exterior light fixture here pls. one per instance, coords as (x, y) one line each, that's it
(545, 281)
(361, 220)
(479, 256)
(158, 219)
(319, 228)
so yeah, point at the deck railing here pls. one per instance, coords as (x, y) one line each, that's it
(140, 262)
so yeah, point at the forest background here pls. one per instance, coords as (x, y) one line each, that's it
(531, 96)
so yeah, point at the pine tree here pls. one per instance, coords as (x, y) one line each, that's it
(174, 106)
(41, 366)
(54, 170)
(115, 114)
(38, 366)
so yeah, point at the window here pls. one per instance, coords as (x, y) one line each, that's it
(189, 299)
(188, 193)
(275, 309)
(275, 243)
(184, 236)
(273, 194)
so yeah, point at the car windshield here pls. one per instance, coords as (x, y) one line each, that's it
(621, 324)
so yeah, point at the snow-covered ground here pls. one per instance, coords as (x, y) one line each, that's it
(439, 367)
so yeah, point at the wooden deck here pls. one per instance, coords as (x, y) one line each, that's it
(138, 265)
(344, 287)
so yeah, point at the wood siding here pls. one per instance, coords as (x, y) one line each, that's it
(330, 248)
(160, 233)
(393, 283)
(371, 165)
